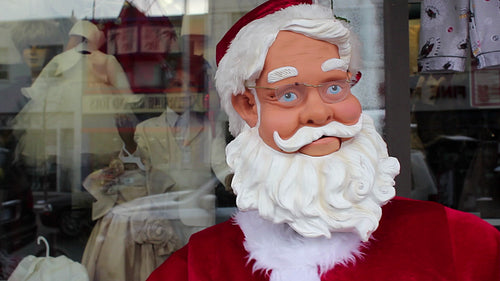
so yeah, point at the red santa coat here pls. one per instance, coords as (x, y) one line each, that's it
(416, 240)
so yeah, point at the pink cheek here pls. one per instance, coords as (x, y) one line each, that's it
(266, 134)
(269, 128)
(282, 123)
(348, 112)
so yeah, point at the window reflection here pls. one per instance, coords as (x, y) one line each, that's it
(454, 107)
(38, 42)
(115, 130)
(154, 209)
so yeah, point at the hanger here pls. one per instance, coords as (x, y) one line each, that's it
(127, 157)
(47, 248)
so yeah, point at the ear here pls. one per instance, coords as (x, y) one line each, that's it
(246, 107)
(349, 75)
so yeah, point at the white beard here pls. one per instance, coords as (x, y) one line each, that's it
(315, 196)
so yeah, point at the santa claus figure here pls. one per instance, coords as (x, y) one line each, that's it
(314, 182)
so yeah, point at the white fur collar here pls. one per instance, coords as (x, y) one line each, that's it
(289, 256)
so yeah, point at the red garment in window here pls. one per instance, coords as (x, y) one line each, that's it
(416, 240)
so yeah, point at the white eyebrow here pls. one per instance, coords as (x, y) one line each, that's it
(281, 73)
(333, 64)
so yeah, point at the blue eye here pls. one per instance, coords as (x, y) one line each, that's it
(288, 97)
(334, 89)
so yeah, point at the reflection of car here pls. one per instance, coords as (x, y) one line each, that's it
(59, 209)
(17, 219)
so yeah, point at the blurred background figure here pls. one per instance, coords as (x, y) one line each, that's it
(69, 121)
(26, 47)
(146, 211)
(68, 127)
(39, 41)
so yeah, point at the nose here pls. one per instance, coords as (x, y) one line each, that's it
(315, 111)
(32, 50)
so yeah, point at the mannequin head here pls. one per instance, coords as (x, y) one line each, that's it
(38, 41)
(296, 58)
(187, 87)
(303, 154)
(36, 56)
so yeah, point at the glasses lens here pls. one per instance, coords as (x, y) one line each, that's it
(334, 91)
(289, 95)
(331, 92)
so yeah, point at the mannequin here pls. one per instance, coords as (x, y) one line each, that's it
(59, 125)
(147, 211)
(313, 178)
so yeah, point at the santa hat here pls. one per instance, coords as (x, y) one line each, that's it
(241, 53)
(261, 11)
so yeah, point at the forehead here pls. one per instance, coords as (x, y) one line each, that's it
(293, 49)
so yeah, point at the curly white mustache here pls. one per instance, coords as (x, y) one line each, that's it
(307, 135)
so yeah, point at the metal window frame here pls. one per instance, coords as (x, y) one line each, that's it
(397, 95)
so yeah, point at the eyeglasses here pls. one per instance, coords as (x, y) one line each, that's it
(294, 94)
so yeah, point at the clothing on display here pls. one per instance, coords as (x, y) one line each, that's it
(133, 234)
(71, 111)
(182, 159)
(48, 268)
(151, 213)
(449, 28)
(484, 32)
(56, 99)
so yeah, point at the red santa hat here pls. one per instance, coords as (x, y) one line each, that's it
(261, 11)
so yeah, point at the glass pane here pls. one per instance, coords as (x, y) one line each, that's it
(112, 139)
(112, 142)
(454, 98)
(366, 20)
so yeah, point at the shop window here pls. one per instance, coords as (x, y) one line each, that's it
(454, 85)
(112, 139)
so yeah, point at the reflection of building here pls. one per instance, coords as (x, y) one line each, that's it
(9, 54)
(157, 53)
(14, 75)
(142, 45)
